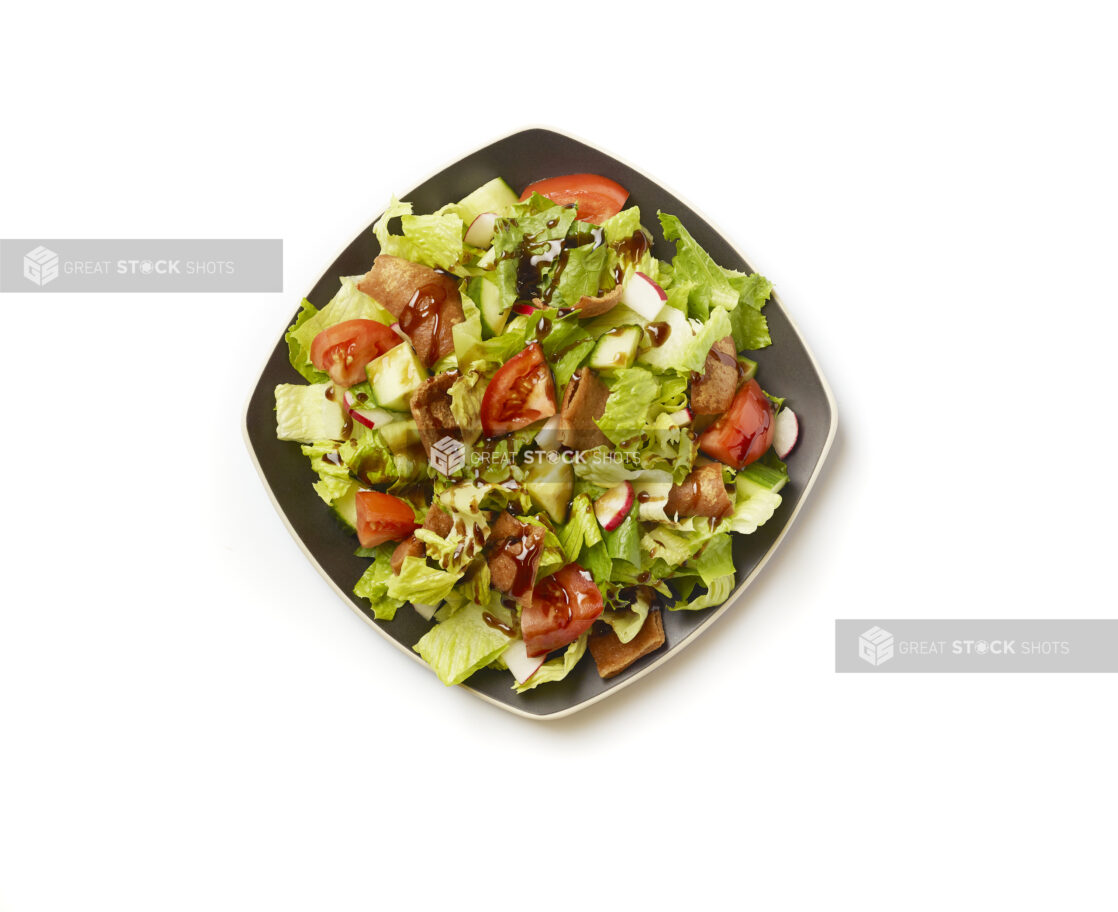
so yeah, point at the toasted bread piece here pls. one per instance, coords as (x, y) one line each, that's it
(702, 493)
(394, 282)
(430, 407)
(596, 306)
(583, 401)
(409, 547)
(514, 550)
(612, 656)
(712, 393)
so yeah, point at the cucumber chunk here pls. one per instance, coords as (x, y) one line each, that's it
(617, 349)
(394, 376)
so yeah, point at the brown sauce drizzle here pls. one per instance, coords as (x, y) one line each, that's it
(426, 304)
(497, 624)
(643, 497)
(658, 333)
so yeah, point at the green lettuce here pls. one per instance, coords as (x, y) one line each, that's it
(717, 592)
(709, 284)
(418, 582)
(555, 669)
(584, 274)
(632, 394)
(581, 530)
(627, 622)
(463, 643)
(433, 240)
(715, 560)
(373, 584)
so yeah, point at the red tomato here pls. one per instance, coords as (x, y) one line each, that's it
(597, 197)
(522, 391)
(382, 517)
(564, 606)
(743, 433)
(344, 349)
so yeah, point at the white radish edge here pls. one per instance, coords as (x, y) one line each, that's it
(480, 232)
(613, 506)
(644, 296)
(683, 417)
(519, 662)
(786, 431)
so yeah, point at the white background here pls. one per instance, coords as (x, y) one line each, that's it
(190, 718)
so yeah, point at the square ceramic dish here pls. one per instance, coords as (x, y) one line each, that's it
(787, 367)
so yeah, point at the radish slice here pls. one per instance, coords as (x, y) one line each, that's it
(786, 431)
(519, 663)
(613, 506)
(395, 327)
(643, 296)
(370, 417)
(425, 611)
(525, 310)
(548, 435)
(683, 417)
(480, 232)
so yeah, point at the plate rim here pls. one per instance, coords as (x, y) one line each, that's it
(734, 597)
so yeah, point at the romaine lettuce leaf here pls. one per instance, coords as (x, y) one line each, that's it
(709, 283)
(581, 529)
(433, 240)
(555, 669)
(686, 347)
(417, 582)
(715, 560)
(633, 391)
(627, 622)
(463, 643)
(717, 592)
(373, 584)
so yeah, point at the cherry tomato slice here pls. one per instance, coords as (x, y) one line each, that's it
(564, 606)
(343, 350)
(597, 197)
(521, 392)
(382, 517)
(744, 431)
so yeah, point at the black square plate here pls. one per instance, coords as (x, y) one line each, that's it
(786, 366)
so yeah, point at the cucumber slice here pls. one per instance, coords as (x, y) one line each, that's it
(616, 349)
(400, 436)
(493, 319)
(748, 367)
(491, 197)
(345, 507)
(394, 376)
(550, 485)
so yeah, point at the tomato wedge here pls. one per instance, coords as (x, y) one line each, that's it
(344, 349)
(521, 392)
(744, 431)
(597, 197)
(382, 517)
(564, 606)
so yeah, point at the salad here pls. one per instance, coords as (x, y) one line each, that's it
(541, 434)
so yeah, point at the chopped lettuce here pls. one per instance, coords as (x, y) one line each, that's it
(463, 643)
(419, 582)
(555, 669)
(373, 584)
(686, 347)
(433, 240)
(717, 592)
(627, 622)
(581, 529)
(716, 559)
(632, 394)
